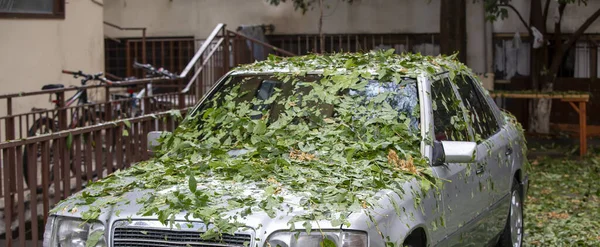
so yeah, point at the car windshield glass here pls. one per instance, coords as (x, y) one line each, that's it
(269, 97)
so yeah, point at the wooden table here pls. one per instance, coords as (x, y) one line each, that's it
(572, 99)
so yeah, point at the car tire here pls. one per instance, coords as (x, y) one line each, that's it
(514, 229)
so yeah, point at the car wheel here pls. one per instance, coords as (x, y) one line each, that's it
(514, 229)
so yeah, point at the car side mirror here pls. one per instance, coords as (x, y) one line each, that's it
(153, 140)
(453, 152)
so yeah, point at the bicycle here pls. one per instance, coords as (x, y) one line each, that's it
(137, 107)
(46, 125)
(153, 72)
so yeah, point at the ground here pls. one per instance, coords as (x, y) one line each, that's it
(563, 203)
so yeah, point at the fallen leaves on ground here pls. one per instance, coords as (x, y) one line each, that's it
(563, 203)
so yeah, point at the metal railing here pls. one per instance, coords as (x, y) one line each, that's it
(143, 29)
(221, 51)
(48, 168)
(22, 125)
(309, 43)
(171, 54)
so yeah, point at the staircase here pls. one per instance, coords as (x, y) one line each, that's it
(222, 50)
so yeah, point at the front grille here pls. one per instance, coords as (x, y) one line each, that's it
(149, 237)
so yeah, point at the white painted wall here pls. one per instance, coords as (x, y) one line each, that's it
(34, 51)
(476, 37)
(199, 17)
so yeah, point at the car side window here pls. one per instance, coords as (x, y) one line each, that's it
(480, 114)
(449, 123)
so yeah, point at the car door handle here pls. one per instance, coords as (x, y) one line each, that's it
(508, 151)
(480, 169)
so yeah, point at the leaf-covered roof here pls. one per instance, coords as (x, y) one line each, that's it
(380, 63)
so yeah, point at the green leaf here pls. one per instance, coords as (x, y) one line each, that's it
(94, 238)
(389, 52)
(307, 226)
(125, 132)
(192, 184)
(127, 123)
(69, 141)
(431, 70)
(350, 63)
(327, 243)
(260, 128)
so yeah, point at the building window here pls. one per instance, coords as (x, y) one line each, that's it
(578, 60)
(512, 58)
(32, 8)
(582, 66)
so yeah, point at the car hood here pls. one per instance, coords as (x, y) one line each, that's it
(261, 225)
(130, 204)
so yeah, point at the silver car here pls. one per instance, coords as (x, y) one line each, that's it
(472, 149)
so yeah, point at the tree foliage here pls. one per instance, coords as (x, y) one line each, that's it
(545, 63)
(498, 9)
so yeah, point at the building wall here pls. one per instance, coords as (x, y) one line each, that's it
(198, 18)
(476, 37)
(34, 51)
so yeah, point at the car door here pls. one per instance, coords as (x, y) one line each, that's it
(492, 163)
(460, 181)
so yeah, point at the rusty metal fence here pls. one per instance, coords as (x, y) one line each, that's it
(63, 116)
(51, 167)
(401, 42)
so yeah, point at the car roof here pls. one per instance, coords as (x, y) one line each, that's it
(374, 63)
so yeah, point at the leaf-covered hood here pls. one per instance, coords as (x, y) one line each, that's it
(130, 206)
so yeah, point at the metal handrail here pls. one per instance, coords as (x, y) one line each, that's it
(202, 49)
(193, 79)
(74, 88)
(81, 130)
(143, 29)
(287, 53)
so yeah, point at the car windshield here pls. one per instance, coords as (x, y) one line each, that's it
(271, 97)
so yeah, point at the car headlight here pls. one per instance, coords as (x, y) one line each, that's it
(315, 238)
(70, 232)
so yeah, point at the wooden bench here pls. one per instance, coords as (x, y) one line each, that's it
(578, 102)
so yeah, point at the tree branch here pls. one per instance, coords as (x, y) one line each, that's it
(520, 17)
(573, 38)
(558, 43)
(590, 20)
(545, 14)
